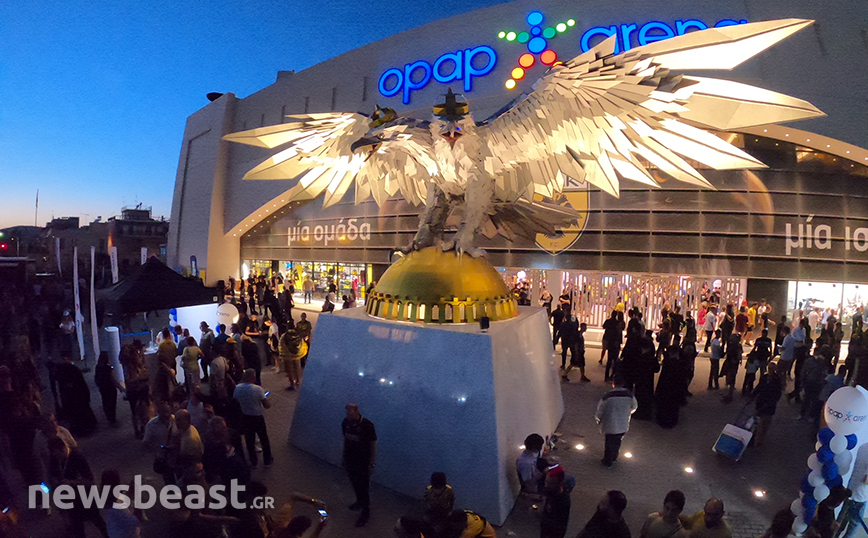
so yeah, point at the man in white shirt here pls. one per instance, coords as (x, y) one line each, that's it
(526, 464)
(252, 400)
(814, 321)
(218, 375)
(613, 415)
(854, 509)
(157, 429)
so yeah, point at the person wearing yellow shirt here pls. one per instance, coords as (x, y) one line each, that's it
(751, 323)
(709, 523)
(467, 524)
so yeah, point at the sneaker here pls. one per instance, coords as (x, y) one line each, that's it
(291, 387)
(363, 518)
(605, 463)
(585, 379)
(565, 378)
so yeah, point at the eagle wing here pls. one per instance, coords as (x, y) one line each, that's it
(319, 154)
(604, 117)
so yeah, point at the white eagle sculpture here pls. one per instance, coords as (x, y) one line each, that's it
(600, 118)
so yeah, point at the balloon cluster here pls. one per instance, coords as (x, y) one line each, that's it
(833, 457)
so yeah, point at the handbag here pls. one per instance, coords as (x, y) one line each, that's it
(161, 462)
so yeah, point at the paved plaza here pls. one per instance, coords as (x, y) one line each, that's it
(658, 463)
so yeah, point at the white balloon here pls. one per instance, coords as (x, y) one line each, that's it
(813, 463)
(799, 525)
(843, 461)
(818, 446)
(821, 492)
(797, 507)
(227, 314)
(846, 411)
(815, 478)
(838, 444)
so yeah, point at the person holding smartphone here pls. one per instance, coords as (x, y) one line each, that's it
(253, 399)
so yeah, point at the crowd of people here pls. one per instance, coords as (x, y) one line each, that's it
(208, 429)
(199, 410)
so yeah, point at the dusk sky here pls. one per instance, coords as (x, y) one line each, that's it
(95, 95)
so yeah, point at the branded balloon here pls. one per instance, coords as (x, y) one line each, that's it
(846, 411)
(838, 444)
(227, 314)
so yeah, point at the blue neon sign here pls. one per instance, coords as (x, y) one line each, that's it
(416, 75)
(464, 65)
(650, 32)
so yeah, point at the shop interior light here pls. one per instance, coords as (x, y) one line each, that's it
(571, 22)
(580, 446)
(510, 84)
(510, 36)
(549, 32)
(521, 447)
(759, 494)
(523, 37)
(628, 455)
(688, 470)
(501, 34)
(561, 27)
(518, 73)
(526, 60)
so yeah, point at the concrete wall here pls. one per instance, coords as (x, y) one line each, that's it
(824, 65)
(492, 390)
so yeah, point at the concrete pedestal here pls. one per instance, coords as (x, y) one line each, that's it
(442, 398)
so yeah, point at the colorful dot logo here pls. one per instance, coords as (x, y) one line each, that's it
(537, 45)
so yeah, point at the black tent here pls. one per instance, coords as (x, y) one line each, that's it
(153, 286)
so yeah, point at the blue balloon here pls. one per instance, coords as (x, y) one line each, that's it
(830, 471)
(851, 441)
(807, 487)
(837, 481)
(825, 435)
(825, 454)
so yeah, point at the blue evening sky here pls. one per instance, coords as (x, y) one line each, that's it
(94, 95)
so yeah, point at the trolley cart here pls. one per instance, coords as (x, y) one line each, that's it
(735, 437)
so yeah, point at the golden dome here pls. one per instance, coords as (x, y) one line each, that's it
(441, 287)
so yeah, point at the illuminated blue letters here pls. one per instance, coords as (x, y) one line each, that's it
(645, 38)
(465, 64)
(649, 32)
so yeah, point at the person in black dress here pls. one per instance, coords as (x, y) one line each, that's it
(646, 367)
(75, 398)
(671, 386)
(104, 378)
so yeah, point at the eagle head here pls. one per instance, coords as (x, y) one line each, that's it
(451, 111)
